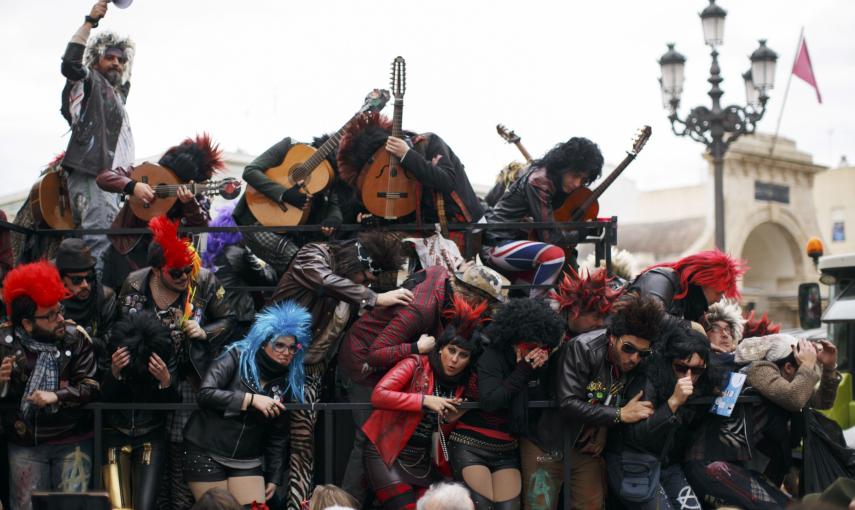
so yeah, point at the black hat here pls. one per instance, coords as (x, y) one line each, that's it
(73, 256)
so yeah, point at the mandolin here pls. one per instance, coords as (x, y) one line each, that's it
(388, 190)
(581, 204)
(50, 200)
(511, 137)
(165, 184)
(304, 163)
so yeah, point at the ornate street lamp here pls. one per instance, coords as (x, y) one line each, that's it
(717, 127)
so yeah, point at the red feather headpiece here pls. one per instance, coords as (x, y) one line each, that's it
(586, 294)
(38, 280)
(348, 169)
(465, 317)
(711, 268)
(177, 252)
(759, 327)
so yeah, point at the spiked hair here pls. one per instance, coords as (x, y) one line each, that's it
(360, 141)
(217, 241)
(174, 251)
(729, 312)
(97, 46)
(39, 282)
(282, 319)
(194, 159)
(591, 293)
(711, 268)
(464, 323)
(759, 327)
(143, 334)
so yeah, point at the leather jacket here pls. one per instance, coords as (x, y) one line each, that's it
(239, 434)
(98, 323)
(235, 267)
(77, 386)
(94, 136)
(210, 309)
(533, 195)
(397, 401)
(134, 423)
(312, 281)
(584, 371)
(663, 283)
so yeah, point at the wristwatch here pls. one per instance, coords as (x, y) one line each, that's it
(92, 21)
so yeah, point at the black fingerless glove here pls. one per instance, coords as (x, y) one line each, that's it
(294, 196)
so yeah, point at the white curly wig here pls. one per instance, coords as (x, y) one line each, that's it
(730, 312)
(97, 45)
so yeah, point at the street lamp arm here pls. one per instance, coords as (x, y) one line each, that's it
(740, 120)
(694, 126)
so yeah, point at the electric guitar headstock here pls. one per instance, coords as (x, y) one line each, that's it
(399, 78)
(640, 138)
(507, 135)
(375, 101)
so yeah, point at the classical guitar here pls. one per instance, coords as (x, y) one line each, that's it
(304, 163)
(50, 200)
(581, 204)
(388, 190)
(165, 184)
(511, 137)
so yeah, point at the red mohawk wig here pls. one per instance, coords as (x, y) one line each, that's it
(759, 327)
(712, 268)
(40, 281)
(195, 160)
(176, 251)
(465, 317)
(586, 294)
(357, 144)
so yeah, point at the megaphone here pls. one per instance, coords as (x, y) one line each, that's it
(122, 4)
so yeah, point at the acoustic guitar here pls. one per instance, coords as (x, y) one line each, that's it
(581, 204)
(50, 200)
(388, 190)
(511, 137)
(165, 184)
(304, 163)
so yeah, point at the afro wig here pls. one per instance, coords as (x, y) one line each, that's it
(361, 139)
(97, 46)
(576, 154)
(39, 282)
(143, 334)
(282, 319)
(711, 268)
(525, 320)
(194, 160)
(636, 316)
(727, 311)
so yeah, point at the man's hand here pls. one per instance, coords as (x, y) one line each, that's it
(827, 355)
(6, 369)
(682, 391)
(157, 368)
(806, 354)
(269, 490)
(397, 147)
(144, 192)
(537, 357)
(193, 330)
(99, 10)
(41, 398)
(395, 297)
(119, 360)
(184, 194)
(426, 344)
(636, 410)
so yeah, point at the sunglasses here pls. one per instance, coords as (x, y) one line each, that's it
(280, 347)
(683, 369)
(78, 279)
(631, 349)
(177, 272)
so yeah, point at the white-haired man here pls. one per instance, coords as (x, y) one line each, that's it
(97, 72)
(446, 496)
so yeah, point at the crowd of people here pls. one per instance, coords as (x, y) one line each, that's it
(168, 318)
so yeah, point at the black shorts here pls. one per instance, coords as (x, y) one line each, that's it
(462, 456)
(200, 467)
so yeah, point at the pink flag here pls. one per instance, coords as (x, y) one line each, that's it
(804, 70)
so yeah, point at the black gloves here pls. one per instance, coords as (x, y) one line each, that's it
(294, 196)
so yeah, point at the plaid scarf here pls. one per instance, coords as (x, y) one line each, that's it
(45, 375)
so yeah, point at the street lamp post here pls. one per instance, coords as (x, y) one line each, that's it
(717, 127)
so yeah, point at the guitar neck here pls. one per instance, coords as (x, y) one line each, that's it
(599, 190)
(320, 155)
(171, 190)
(526, 155)
(398, 122)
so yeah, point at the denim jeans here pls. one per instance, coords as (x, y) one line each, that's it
(64, 468)
(93, 208)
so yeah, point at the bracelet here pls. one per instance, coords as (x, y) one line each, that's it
(617, 415)
(92, 21)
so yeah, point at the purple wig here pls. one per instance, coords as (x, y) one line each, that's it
(217, 241)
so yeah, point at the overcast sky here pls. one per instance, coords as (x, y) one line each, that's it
(252, 72)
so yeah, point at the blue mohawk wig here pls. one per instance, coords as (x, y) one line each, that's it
(217, 241)
(282, 319)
